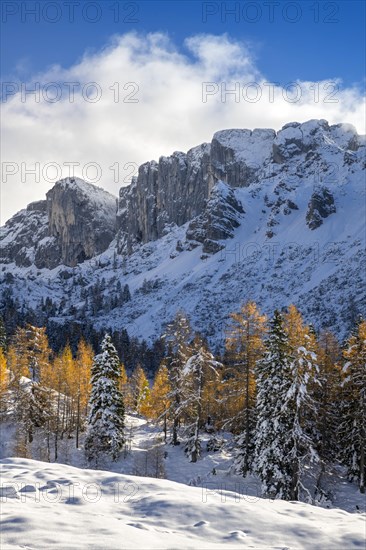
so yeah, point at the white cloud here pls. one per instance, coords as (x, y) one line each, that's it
(169, 114)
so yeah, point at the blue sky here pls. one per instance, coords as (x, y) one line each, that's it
(304, 40)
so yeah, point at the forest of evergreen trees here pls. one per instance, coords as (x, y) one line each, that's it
(294, 400)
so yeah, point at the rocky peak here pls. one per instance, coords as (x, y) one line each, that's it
(76, 222)
(79, 221)
(82, 217)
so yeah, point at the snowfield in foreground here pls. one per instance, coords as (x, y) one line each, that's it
(57, 506)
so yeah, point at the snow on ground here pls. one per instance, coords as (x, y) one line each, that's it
(59, 506)
(146, 455)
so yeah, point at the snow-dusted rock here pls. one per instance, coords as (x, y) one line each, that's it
(221, 216)
(180, 232)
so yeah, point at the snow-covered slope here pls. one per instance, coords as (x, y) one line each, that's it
(283, 222)
(59, 506)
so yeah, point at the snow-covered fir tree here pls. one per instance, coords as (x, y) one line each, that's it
(353, 423)
(270, 434)
(195, 373)
(178, 337)
(31, 406)
(283, 441)
(105, 432)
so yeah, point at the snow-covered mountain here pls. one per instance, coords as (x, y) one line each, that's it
(274, 217)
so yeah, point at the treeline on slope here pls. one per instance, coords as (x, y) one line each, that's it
(294, 400)
(131, 350)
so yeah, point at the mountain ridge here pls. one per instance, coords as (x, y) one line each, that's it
(277, 217)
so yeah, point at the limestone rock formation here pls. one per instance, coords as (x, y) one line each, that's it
(82, 217)
(76, 222)
(171, 191)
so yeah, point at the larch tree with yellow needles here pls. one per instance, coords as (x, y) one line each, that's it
(245, 347)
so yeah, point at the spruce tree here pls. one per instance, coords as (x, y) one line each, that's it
(270, 462)
(300, 404)
(105, 432)
(284, 444)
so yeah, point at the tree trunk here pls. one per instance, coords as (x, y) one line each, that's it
(165, 427)
(294, 492)
(78, 422)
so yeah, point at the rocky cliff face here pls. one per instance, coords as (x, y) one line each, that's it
(79, 221)
(165, 193)
(82, 218)
(24, 240)
(273, 217)
(75, 223)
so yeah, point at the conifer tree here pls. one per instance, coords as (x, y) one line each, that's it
(82, 364)
(327, 394)
(28, 358)
(245, 347)
(270, 461)
(30, 353)
(353, 423)
(105, 433)
(139, 392)
(178, 337)
(30, 407)
(300, 403)
(4, 380)
(159, 397)
(284, 445)
(194, 375)
(123, 382)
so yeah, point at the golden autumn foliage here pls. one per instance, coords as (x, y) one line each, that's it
(244, 347)
(4, 377)
(82, 365)
(159, 395)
